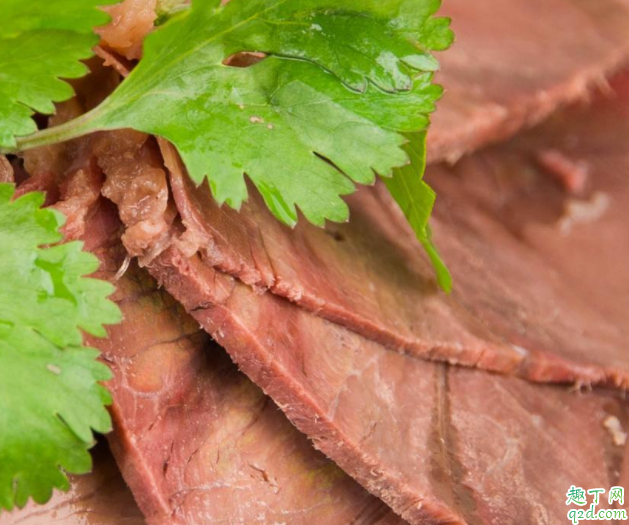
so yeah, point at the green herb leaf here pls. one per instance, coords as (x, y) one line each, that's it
(50, 398)
(416, 199)
(342, 84)
(41, 42)
(281, 120)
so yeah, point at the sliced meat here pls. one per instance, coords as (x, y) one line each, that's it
(550, 272)
(599, 139)
(98, 498)
(371, 276)
(414, 435)
(418, 438)
(520, 445)
(510, 66)
(195, 439)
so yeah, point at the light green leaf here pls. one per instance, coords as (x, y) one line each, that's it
(416, 199)
(50, 396)
(40, 43)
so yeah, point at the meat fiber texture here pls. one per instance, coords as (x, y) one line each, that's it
(426, 481)
(414, 433)
(196, 441)
(410, 430)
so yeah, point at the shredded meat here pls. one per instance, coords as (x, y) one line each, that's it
(131, 21)
(136, 182)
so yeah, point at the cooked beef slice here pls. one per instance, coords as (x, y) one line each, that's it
(514, 62)
(418, 436)
(513, 309)
(529, 442)
(424, 439)
(594, 223)
(198, 442)
(98, 498)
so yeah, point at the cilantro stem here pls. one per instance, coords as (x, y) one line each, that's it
(72, 129)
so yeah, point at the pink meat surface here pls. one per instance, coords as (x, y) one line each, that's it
(196, 441)
(417, 436)
(390, 420)
(413, 432)
(369, 275)
(550, 272)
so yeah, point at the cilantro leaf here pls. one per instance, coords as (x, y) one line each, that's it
(416, 199)
(50, 398)
(343, 84)
(41, 42)
(281, 120)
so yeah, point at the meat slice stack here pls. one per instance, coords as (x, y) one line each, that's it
(420, 435)
(196, 441)
(344, 330)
